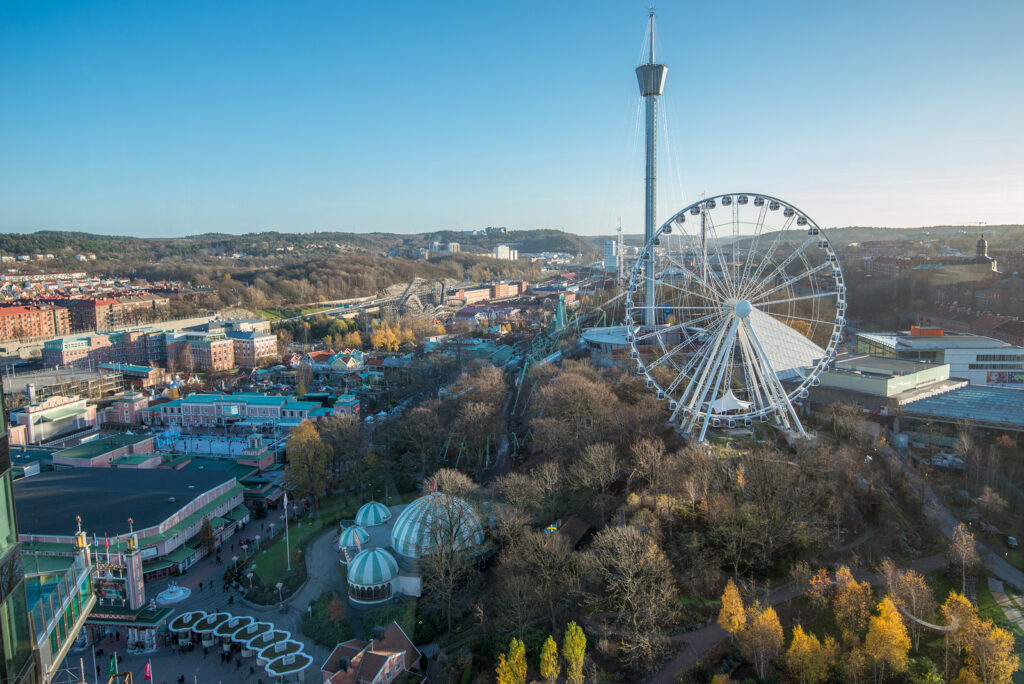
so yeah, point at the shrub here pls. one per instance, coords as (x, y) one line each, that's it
(318, 625)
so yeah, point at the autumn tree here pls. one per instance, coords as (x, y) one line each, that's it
(990, 653)
(732, 617)
(911, 591)
(960, 617)
(512, 668)
(574, 648)
(963, 551)
(887, 642)
(335, 609)
(306, 473)
(819, 587)
(851, 604)
(550, 667)
(762, 639)
(806, 659)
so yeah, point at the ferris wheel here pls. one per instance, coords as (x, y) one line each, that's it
(748, 308)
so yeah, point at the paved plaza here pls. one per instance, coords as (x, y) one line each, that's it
(323, 573)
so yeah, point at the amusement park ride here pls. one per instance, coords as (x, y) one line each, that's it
(734, 307)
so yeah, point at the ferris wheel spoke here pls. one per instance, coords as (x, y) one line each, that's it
(703, 367)
(712, 377)
(760, 279)
(717, 302)
(723, 265)
(768, 257)
(818, 295)
(782, 318)
(711, 285)
(793, 280)
(758, 230)
(755, 380)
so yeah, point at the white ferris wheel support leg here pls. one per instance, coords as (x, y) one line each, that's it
(775, 380)
(725, 363)
(711, 370)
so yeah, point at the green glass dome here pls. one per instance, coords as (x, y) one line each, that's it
(353, 536)
(372, 567)
(425, 522)
(372, 513)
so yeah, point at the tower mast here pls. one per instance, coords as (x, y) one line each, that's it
(651, 78)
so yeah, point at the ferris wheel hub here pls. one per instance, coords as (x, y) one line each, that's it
(742, 308)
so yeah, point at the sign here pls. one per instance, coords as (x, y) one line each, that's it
(148, 552)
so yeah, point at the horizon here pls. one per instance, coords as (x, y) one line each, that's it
(249, 118)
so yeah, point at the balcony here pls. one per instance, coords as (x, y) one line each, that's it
(60, 598)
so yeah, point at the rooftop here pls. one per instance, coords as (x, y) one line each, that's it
(106, 497)
(979, 404)
(101, 445)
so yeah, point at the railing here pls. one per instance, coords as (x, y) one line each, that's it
(58, 615)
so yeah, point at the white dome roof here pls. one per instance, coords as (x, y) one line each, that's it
(426, 520)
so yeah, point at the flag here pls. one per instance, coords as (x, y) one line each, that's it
(112, 667)
(148, 675)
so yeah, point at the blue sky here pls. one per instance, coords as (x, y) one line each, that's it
(174, 118)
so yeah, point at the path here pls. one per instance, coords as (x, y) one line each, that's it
(1010, 610)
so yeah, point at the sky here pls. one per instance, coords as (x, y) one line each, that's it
(175, 118)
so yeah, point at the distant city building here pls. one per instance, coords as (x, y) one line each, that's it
(251, 348)
(611, 255)
(260, 411)
(505, 253)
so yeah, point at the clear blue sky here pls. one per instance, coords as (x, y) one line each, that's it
(174, 118)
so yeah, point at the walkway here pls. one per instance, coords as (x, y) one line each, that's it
(1010, 610)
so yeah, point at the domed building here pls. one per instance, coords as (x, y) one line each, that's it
(433, 520)
(372, 514)
(370, 577)
(350, 541)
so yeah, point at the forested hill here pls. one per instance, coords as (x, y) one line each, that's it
(64, 244)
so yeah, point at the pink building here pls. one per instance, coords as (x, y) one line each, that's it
(51, 419)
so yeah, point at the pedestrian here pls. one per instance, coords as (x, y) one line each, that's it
(117, 636)
(200, 586)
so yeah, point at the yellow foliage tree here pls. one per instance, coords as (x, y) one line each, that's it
(960, 615)
(574, 647)
(732, 617)
(887, 642)
(990, 653)
(806, 659)
(761, 641)
(512, 670)
(852, 604)
(550, 668)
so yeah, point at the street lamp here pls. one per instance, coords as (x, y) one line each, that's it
(249, 575)
(279, 585)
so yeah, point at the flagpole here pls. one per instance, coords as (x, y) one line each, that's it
(95, 677)
(287, 546)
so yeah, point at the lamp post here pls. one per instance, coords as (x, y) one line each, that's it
(279, 585)
(249, 575)
(287, 546)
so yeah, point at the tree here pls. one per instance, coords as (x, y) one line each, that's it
(206, 537)
(964, 552)
(762, 639)
(887, 642)
(732, 617)
(596, 470)
(306, 472)
(550, 667)
(852, 604)
(960, 616)
(638, 587)
(447, 566)
(512, 670)
(806, 659)
(990, 653)
(335, 609)
(818, 588)
(911, 591)
(574, 647)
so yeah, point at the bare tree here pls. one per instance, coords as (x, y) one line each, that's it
(447, 566)
(963, 551)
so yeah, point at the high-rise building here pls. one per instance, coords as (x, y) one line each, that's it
(611, 255)
(16, 663)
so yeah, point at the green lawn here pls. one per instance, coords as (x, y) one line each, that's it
(270, 566)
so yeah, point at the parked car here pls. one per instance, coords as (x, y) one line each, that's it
(1011, 542)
